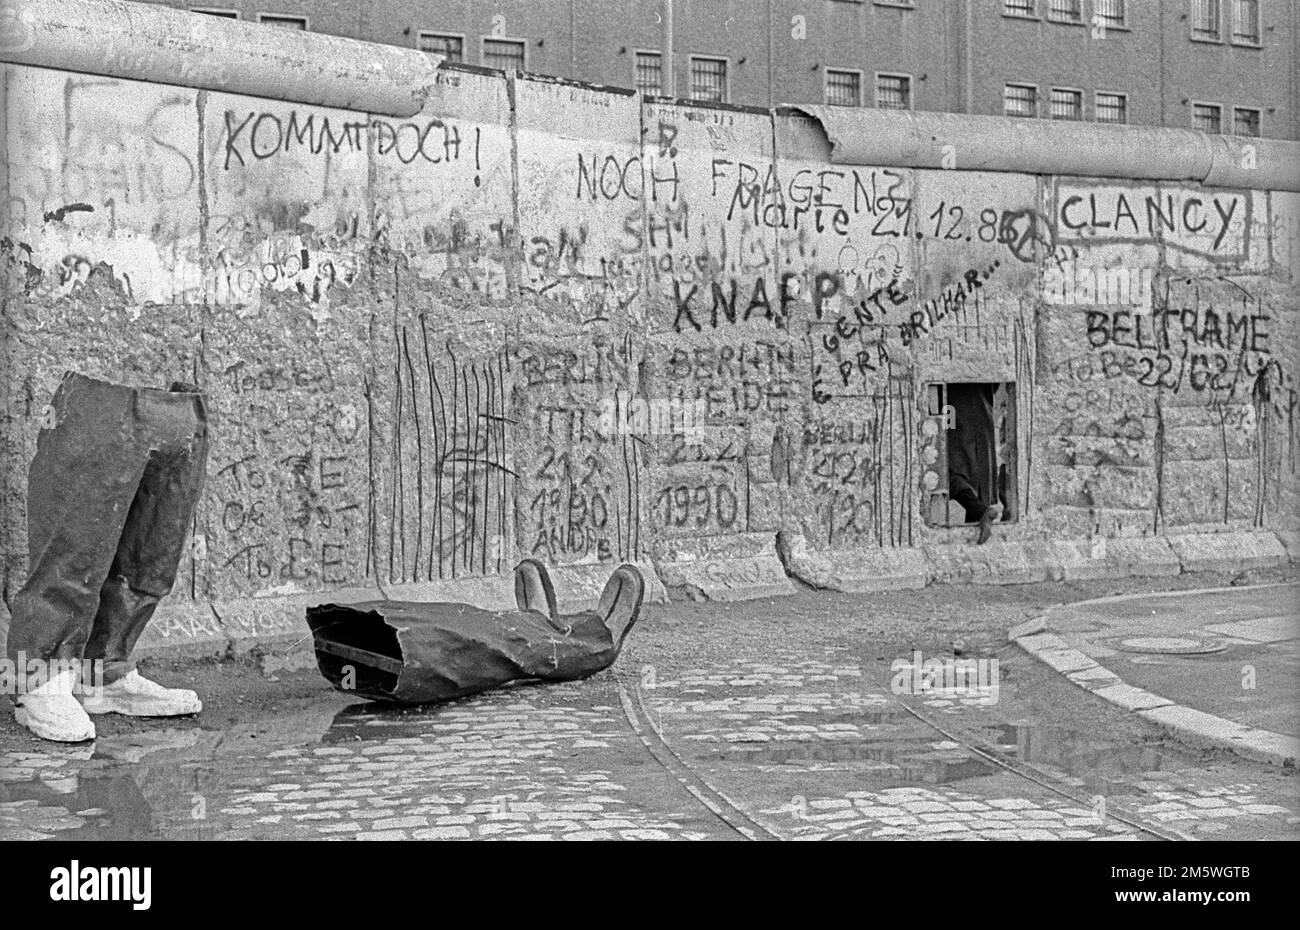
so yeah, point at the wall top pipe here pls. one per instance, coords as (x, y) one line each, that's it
(140, 42)
(136, 41)
(890, 138)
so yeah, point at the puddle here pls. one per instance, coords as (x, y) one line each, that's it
(912, 764)
(76, 807)
(869, 717)
(374, 721)
(1099, 763)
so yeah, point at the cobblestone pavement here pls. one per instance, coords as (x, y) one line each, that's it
(875, 772)
(780, 711)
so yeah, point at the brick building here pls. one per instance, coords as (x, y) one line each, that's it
(1218, 65)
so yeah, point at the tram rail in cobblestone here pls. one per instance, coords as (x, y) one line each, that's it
(650, 734)
(717, 803)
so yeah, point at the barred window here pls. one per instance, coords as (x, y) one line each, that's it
(1245, 121)
(893, 92)
(1020, 100)
(1245, 22)
(1207, 117)
(1018, 7)
(649, 73)
(843, 88)
(504, 54)
(1112, 108)
(282, 22)
(1070, 11)
(1109, 12)
(709, 79)
(452, 48)
(1066, 104)
(1205, 19)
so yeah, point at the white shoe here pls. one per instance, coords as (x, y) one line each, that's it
(137, 696)
(52, 711)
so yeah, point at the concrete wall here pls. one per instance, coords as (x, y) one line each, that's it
(543, 319)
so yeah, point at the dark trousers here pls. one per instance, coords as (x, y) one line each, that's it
(110, 499)
(961, 490)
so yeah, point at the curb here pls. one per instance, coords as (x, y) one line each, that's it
(956, 560)
(756, 565)
(1191, 726)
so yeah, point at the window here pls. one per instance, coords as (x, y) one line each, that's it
(1245, 121)
(452, 48)
(1066, 11)
(1245, 22)
(843, 88)
(1066, 103)
(1020, 100)
(282, 22)
(1111, 108)
(709, 79)
(1109, 12)
(1207, 117)
(1018, 8)
(969, 436)
(649, 73)
(504, 54)
(893, 92)
(1205, 19)
(208, 11)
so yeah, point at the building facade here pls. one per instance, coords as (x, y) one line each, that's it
(1217, 65)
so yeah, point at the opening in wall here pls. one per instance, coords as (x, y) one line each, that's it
(968, 452)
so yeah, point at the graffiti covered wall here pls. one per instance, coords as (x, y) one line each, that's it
(543, 319)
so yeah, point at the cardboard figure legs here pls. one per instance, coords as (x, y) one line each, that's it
(416, 653)
(111, 498)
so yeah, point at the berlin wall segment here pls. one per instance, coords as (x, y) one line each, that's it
(544, 319)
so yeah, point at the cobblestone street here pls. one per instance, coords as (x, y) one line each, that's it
(769, 719)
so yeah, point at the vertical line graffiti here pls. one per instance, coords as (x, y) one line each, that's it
(447, 512)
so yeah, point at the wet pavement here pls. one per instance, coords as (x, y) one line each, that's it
(1232, 652)
(778, 719)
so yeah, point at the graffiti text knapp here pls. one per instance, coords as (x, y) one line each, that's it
(1211, 223)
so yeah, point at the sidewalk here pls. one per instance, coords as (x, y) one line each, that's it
(1218, 666)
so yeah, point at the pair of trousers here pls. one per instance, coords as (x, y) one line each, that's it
(111, 496)
(961, 491)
